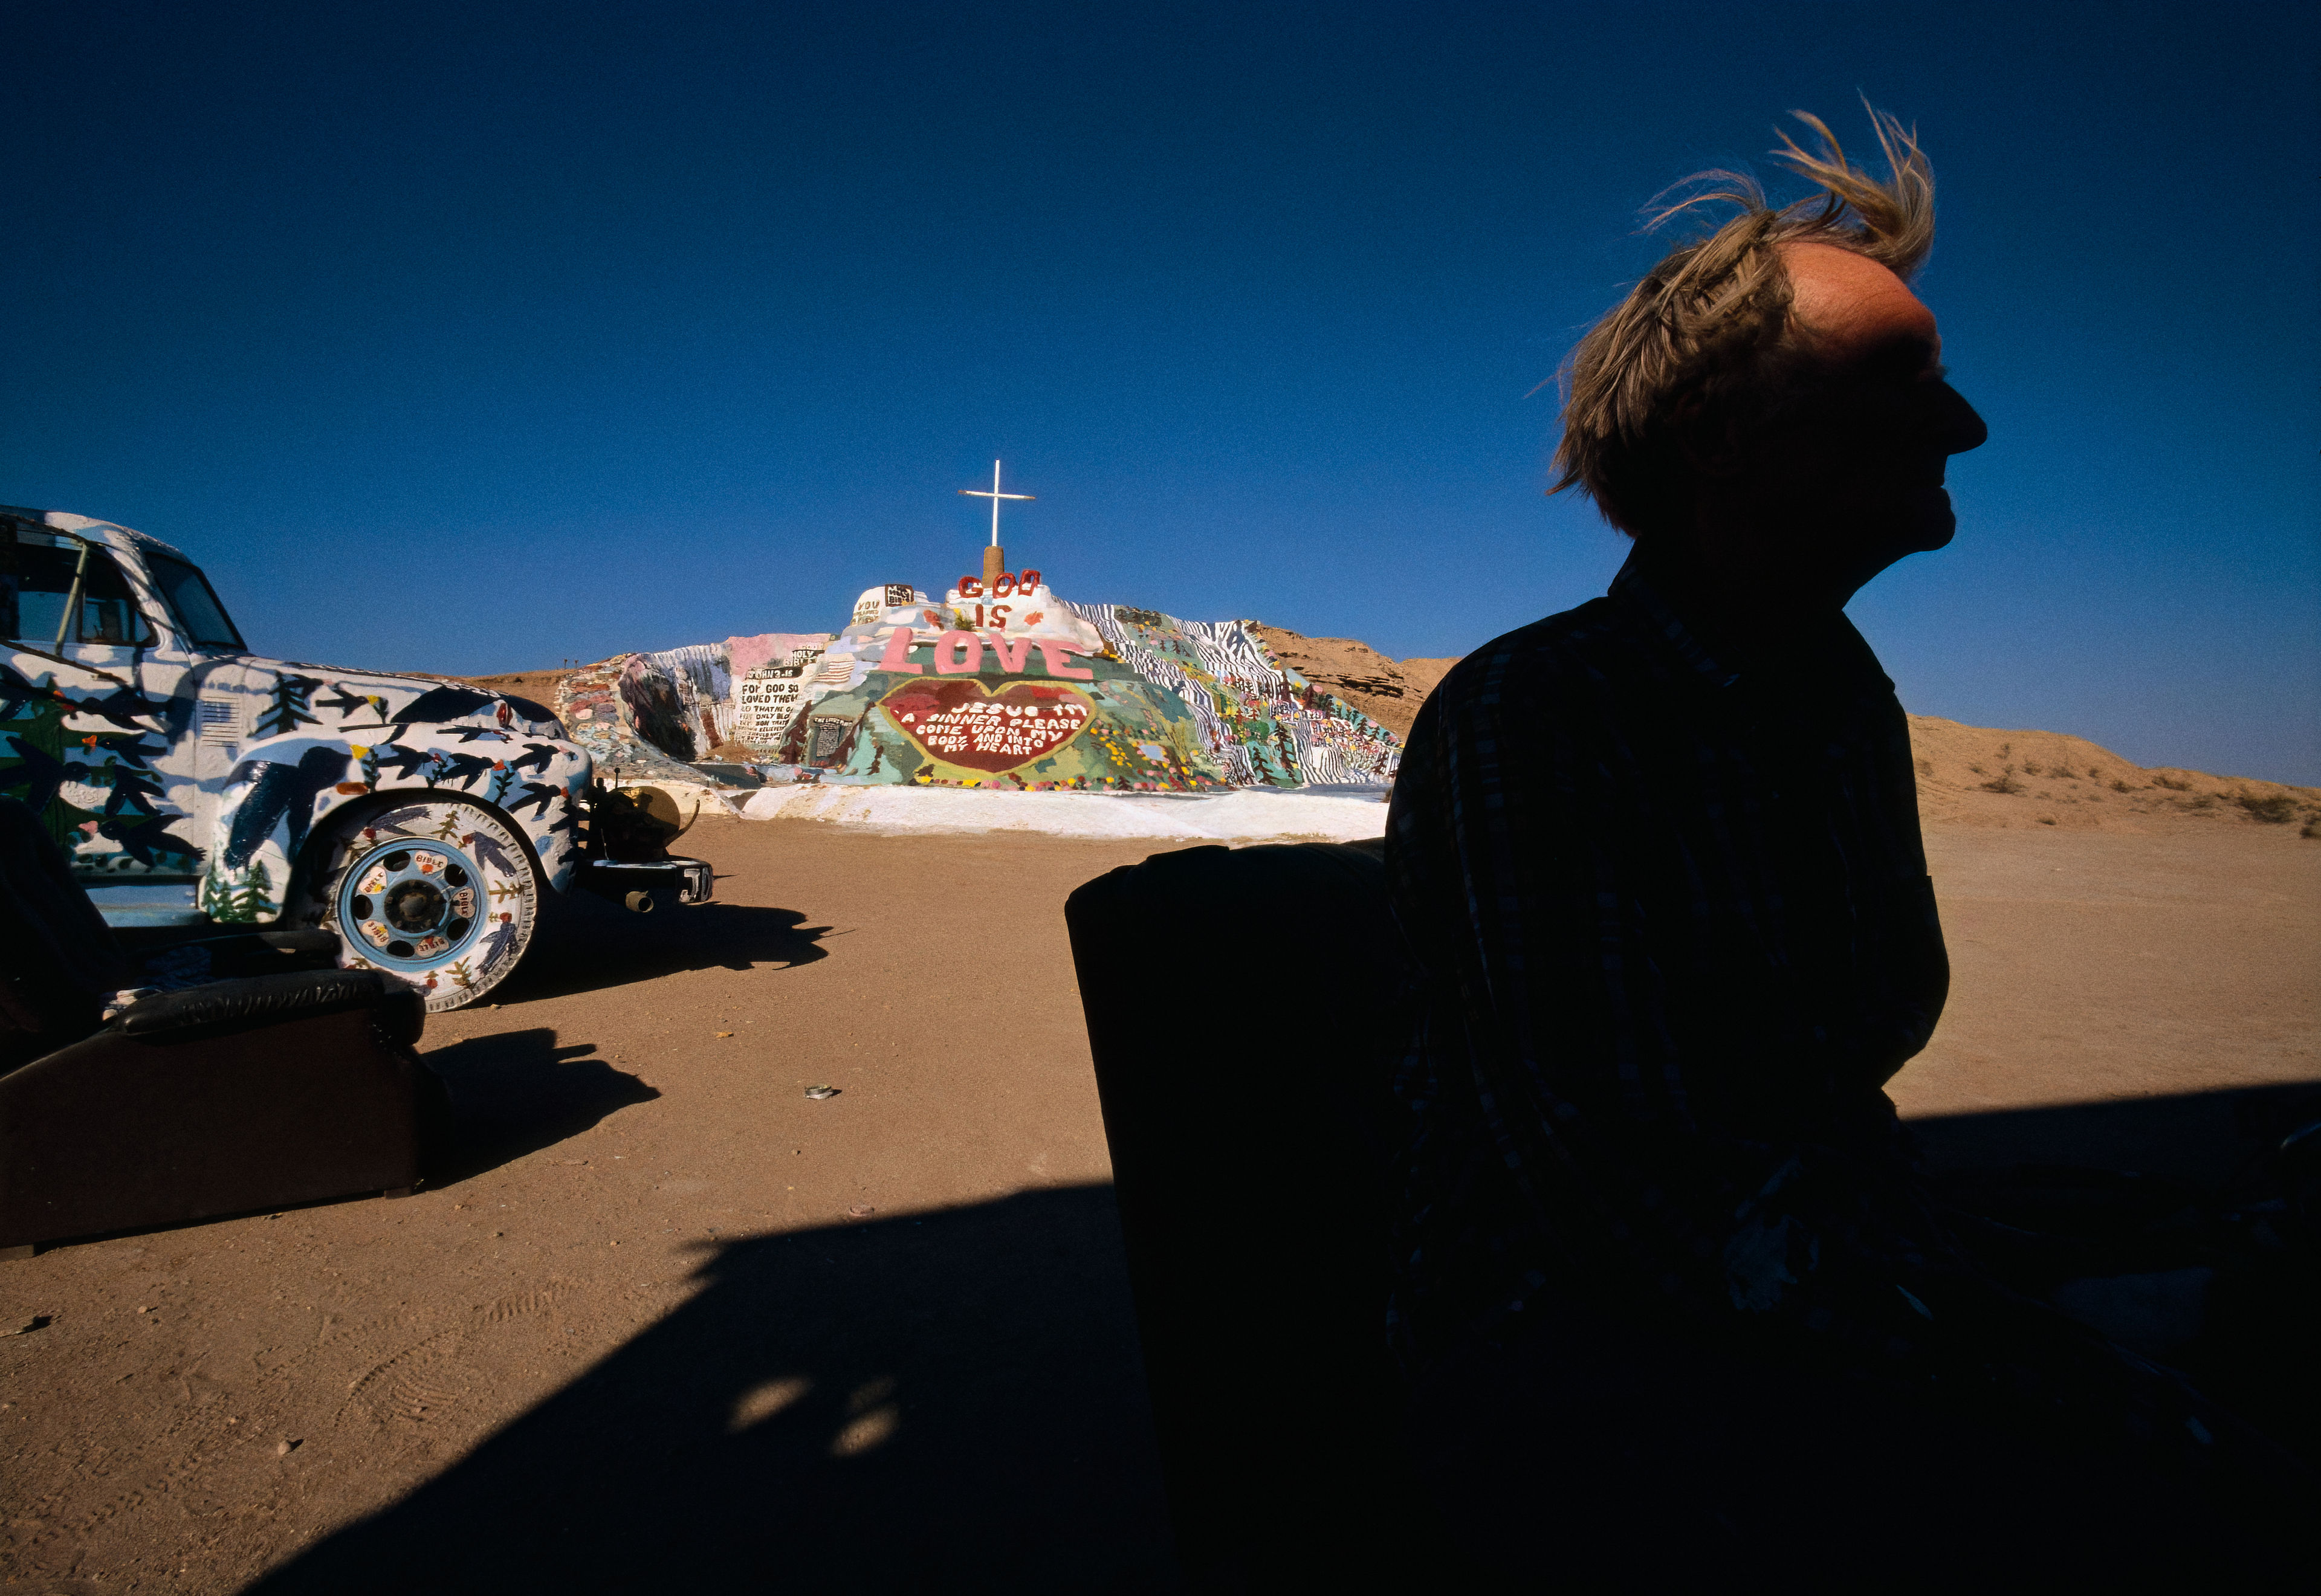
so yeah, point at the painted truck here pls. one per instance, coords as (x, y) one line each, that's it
(418, 821)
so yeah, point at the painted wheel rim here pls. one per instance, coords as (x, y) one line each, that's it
(409, 905)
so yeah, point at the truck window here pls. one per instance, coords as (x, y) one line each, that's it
(33, 595)
(194, 603)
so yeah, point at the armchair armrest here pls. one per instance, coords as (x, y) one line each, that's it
(224, 1007)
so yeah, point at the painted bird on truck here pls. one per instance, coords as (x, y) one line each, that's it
(346, 703)
(405, 763)
(125, 707)
(17, 690)
(442, 703)
(537, 793)
(278, 791)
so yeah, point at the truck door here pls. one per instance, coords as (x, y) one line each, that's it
(86, 706)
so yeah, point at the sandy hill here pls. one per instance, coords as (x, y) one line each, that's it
(538, 686)
(1975, 775)
(1388, 690)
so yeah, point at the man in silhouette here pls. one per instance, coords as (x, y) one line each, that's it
(1675, 1305)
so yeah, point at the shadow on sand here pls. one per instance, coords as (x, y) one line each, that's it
(518, 1092)
(950, 1402)
(2199, 1138)
(957, 1403)
(586, 944)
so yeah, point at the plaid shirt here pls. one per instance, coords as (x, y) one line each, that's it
(1672, 931)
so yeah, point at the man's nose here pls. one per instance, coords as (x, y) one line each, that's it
(1962, 428)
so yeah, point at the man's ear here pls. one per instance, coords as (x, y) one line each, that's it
(1709, 443)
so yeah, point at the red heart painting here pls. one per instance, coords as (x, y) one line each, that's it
(958, 722)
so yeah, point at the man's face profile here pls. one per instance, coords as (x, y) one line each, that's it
(1850, 476)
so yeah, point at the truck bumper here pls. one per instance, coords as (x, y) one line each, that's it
(690, 879)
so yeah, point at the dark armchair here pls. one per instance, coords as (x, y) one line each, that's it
(245, 1093)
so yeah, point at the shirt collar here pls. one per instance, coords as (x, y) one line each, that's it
(1632, 588)
(1649, 606)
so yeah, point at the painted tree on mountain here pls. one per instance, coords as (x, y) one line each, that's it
(1291, 765)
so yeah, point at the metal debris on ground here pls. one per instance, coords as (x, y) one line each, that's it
(819, 1092)
(861, 1210)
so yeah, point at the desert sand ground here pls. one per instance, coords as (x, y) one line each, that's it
(668, 1324)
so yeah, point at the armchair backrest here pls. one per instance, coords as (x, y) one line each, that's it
(1242, 1012)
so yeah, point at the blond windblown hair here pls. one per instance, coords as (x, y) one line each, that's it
(1707, 332)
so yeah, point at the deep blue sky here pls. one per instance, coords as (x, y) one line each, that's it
(470, 338)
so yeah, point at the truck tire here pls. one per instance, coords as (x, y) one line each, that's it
(436, 893)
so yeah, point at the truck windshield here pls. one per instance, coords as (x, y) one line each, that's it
(194, 603)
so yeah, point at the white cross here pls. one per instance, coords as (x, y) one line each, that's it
(995, 495)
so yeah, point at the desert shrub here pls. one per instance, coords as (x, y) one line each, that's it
(2004, 782)
(1978, 769)
(2278, 809)
(2205, 801)
(2031, 769)
(2312, 827)
(2170, 783)
(2094, 774)
(2121, 786)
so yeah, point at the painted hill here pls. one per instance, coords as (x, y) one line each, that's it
(1035, 693)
